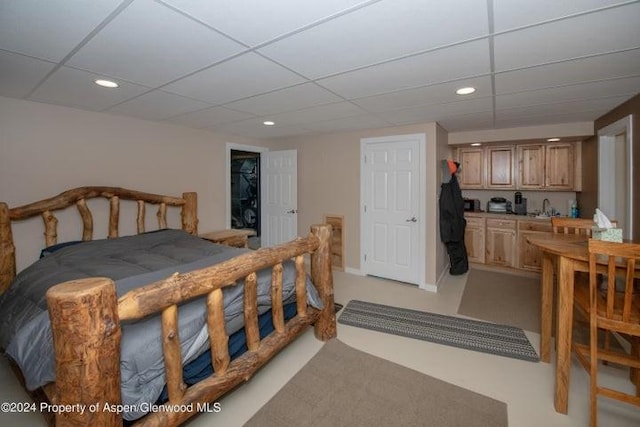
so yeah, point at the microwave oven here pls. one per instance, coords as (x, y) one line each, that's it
(472, 205)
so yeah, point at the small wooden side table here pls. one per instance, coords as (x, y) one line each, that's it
(231, 237)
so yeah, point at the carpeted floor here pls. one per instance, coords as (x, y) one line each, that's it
(502, 298)
(342, 386)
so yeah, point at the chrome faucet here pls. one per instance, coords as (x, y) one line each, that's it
(545, 203)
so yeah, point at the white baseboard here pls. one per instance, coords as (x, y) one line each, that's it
(355, 271)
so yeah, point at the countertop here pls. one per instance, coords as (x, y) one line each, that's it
(506, 216)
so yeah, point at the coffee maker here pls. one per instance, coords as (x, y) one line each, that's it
(520, 204)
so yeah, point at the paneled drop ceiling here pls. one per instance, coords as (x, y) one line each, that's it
(315, 66)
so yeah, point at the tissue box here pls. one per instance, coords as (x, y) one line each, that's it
(608, 234)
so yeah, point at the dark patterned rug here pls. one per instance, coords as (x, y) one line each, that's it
(502, 340)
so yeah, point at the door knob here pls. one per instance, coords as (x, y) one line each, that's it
(292, 211)
(413, 219)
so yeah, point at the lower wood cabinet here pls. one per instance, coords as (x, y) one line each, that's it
(501, 242)
(474, 240)
(530, 256)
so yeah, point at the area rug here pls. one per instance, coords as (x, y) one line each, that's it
(502, 298)
(502, 340)
(342, 386)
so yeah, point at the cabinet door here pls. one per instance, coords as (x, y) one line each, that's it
(529, 256)
(501, 168)
(472, 173)
(474, 242)
(531, 167)
(501, 244)
(559, 167)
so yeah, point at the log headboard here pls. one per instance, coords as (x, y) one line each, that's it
(78, 197)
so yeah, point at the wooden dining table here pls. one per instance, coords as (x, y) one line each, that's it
(571, 254)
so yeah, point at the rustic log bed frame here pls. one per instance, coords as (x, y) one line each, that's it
(86, 314)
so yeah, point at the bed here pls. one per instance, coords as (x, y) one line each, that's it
(151, 328)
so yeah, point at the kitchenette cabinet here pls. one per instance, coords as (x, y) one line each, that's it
(471, 175)
(474, 239)
(501, 167)
(550, 167)
(501, 242)
(546, 167)
(530, 256)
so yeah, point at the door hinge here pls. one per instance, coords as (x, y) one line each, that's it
(365, 208)
(365, 257)
(365, 160)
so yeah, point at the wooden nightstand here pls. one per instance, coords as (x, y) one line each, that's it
(231, 237)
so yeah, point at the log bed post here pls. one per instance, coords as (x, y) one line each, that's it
(7, 250)
(325, 327)
(86, 338)
(190, 213)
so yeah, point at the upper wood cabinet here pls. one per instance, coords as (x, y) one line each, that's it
(530, 167)
(472, 173)
(520, 167)
(559, 167)
(546, 167)
(501, 167)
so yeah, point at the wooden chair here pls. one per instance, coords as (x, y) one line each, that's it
(572, 225)
(613, 311)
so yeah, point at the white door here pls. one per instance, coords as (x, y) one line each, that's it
(392, 217)
(279, 197)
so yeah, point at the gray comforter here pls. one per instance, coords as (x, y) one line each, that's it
(131, 262)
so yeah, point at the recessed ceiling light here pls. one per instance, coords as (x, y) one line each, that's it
(476, 144)
(106, 83)
(465, 90)
(269, 123)
(553, 139)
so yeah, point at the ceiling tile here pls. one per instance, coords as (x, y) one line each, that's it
(254, 22)
(76, 88)
(597, 106)
(344, 124)
(509, 14)
(368, 35)
(474, 121)
(210, 117)
(571, 38)
(600, 89)
(255, 129)
(50, 29)
(152, 45)
(427, 95)
(465, 60)
(289, 99)
(316, 114)
(158, 105)
(20, 74)
(240, 77)
(437, 112)
(614, 65)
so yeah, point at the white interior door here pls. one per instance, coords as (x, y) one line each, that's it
(279, 196)
(392, 215)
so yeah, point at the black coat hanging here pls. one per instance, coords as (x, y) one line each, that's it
(453, 224)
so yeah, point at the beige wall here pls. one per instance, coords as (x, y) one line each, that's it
(329, 183)
(46, 149)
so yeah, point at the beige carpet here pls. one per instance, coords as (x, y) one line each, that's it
(503, 298)
(342, 386)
